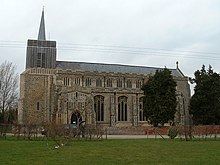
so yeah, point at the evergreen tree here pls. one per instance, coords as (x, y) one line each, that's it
(205, 103)
(160, 97)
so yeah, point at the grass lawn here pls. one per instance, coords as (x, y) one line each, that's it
(138, 151)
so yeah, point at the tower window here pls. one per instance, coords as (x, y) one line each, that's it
(38, 106)
(41, 60)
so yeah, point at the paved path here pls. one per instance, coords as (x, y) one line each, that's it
(120, 136)
(134, 136)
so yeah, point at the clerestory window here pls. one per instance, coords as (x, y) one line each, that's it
(129, 84)
(88, 82)
(119, 83)
(66, 81)
(98, 82)
(109, 83)
(138, 84)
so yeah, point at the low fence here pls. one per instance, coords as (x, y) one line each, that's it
(33, 131)
(54, 131)
(187, 131)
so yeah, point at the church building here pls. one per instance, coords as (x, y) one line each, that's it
(68, 92)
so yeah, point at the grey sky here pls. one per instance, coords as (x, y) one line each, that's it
(97, 27)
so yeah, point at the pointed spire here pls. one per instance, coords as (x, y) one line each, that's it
(41, 34)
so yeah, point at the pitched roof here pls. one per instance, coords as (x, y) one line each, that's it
(116, 68)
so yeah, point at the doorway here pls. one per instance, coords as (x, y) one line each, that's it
(76, 118)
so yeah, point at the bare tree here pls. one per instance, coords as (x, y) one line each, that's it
(8, 88)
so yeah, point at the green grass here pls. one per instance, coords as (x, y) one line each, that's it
(139, 151)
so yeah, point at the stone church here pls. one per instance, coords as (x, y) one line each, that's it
(68, 92)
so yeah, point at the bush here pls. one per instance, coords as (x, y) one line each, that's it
(172, 132)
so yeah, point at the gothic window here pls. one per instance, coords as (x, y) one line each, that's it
(77, 81)
(99, 107)
(129, 84)
(119, 83)
(88, 82)
(109, 83)
(122, 108)
(98, 82)
(142, 117)
(138, 84)
(66, 81)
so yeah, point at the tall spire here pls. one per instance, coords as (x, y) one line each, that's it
(41, 34)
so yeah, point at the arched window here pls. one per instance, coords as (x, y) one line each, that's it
(99, 107)
(142, 117)
(122, 108)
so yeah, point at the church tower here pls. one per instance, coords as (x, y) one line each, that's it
(41, 53)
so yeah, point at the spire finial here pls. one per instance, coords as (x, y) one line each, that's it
(41, 34)
(177, 65)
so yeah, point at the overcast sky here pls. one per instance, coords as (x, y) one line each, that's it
(153, 33)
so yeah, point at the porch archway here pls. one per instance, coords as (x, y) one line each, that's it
(76, 118)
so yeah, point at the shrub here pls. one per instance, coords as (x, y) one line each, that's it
(172, 132)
